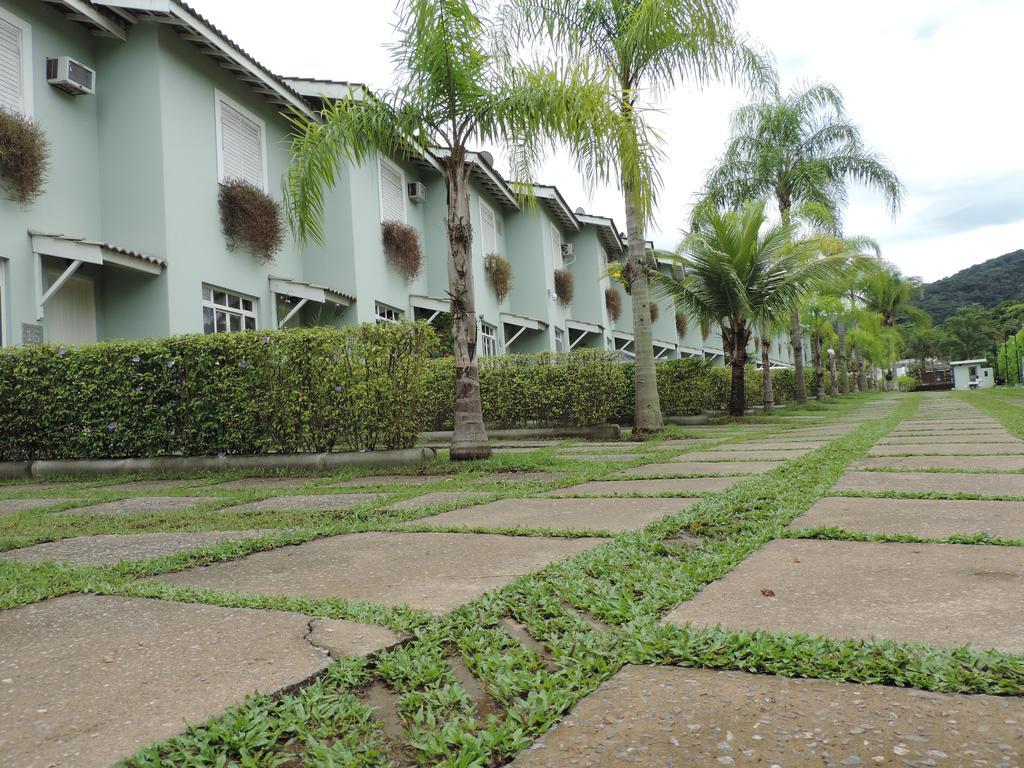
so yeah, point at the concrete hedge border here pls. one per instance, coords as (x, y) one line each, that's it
(254, 393)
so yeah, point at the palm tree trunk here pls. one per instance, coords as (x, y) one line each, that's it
(766, 370)
(470, 438)
(834, 389)
(819, 370)
(797, 339)
(844, 364)
(862, 374)
(738, 357)
(647, 419)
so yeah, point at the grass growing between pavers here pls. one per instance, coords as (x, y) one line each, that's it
(593, 613)
(840, 534)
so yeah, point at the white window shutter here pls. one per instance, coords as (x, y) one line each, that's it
(556, 246)
(241, 147)
(488, 234)
(392, 192)
(11, 96)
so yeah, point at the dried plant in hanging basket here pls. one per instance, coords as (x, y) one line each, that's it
(655, 311)
(24, 157)
(499, 273)
(682, 323)
(250, 218)
(613, 301)
(402, 248)
(565, 288)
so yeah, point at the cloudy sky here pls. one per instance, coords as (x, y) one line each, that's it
(934, 84)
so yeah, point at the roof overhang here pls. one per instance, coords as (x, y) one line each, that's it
(313, 88)
(578, 325)
(432, 304)
(101, 24)
(483, 174)
(194, 28)
(607, 232)
(664, 344)
(320, 294)
(969, 362)
(93, 252)
(529, 323)
(556, 206)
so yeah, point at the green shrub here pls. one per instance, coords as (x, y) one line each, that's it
(580, 388)
(244, 393)
(907, 383)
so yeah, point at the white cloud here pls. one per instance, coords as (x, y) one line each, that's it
(933, 84)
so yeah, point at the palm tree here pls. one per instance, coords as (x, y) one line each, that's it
(799, 148)
(456, 87)
(891, 295)
(739, 272)
(642, 48)
(821, 311)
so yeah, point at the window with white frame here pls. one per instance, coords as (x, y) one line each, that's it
(488, 229)
(556, 247)
(241, 144)
(559, 340)
(227, 312)
(392, 191)
(386, 314)
(15, 64)
(488, 339)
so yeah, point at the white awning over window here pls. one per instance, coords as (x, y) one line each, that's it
(305, 293)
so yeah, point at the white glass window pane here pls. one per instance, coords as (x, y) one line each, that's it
(207, 293)
(208, 324)
(250, 323)
(247, 305)
(221, 298)
(222, 322)
(236, 322)
(235, 302)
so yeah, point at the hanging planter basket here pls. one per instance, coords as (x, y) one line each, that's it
(613, 301)
(564, 287)
(250, 218)
(402, 248)
(682, 324)
(24, 157)
(499, 274)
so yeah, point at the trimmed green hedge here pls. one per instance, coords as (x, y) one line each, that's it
(307, 390)
(581, 388)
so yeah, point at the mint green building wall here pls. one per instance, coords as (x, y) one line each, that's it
(70, 203)
(589, 275)
(526, 231)
(488, 308)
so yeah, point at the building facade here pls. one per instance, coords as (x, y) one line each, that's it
(126, 239)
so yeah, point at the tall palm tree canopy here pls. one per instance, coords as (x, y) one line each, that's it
(644, 47)
(457, 87)
(799, 148)
(890, 294)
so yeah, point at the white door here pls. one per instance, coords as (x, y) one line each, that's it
(71, 312)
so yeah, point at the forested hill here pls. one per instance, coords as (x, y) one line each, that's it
(988, 283)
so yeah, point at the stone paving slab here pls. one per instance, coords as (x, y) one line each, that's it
(89, 679)
(565, 514)
(374, 480)
(700, 467)
(928, 518)
(648, 487)
(933, 482)
(33, 487)
(670, 716)
(339, 637)
(434, 572)
(616, 457)
(136, 486)
(109, 549)
(949, 434)
(740, 455)
(947, 449)
(10, 506)
(1001, 463)
(521, 477)
(326, 502)
(981, 438)
(941, 594)
(771, 445)
(438, 497)
(260, 483)
(140, 505)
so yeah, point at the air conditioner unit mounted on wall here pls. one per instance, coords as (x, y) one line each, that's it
(417, 192)
(567, 252)
(71, 76)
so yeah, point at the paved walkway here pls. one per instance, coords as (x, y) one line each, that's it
(941, 594)
(88, 679)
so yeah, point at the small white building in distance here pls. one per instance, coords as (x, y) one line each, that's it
(967, 371)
